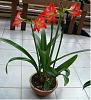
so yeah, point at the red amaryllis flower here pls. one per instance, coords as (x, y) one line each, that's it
(39, 23)
(75, 9)
(17, 19)
(50, 13)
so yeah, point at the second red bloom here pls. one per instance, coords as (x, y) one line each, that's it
(39, 23)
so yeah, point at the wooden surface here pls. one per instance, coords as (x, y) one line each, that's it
(11, 7)
(13, 13)
(24, 15)
(36, 6)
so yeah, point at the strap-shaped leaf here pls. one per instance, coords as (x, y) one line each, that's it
(44, 59)
(46, 85)
(44, 54)
(66, 64)
(52, 72)
(70, 54)
(41, 52)
(67, 72)
(18, 47)
(43, 40)
(24, 59)
(88, 83)
(66, 79)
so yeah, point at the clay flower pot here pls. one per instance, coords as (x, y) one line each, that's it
(41, 92)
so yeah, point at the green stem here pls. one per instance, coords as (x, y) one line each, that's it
(35, 43)
(51, 34)
(58, 49)
(55, 38)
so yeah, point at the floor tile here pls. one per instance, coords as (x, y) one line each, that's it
(27, 71)
(7, 24)
(1, 32)
(27, 35)
(70, 47)
(4, 45)
(82, 61)
(29, 94)
(83, 39)
(34, 56)
(10, 93)
(83, 73)
(85, 45)
(1, 26)
(13, 34)
(67, 38)
(12, 79)
(88, 91)
(73, 80)
(29, 45)
(5, 55)
(71, 94)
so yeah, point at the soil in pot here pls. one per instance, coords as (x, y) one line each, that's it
(39, 80)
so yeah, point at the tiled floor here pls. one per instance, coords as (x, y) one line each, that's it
(16, 85)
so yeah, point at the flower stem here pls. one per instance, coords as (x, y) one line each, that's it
(58, 49)
(35, 44)
(55, 38)
(51, 33)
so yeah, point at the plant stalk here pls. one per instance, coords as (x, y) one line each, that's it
(58, 49)
(35, 44)
(51, 33)
(55, 37)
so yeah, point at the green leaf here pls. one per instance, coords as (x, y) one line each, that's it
(88, 83)
(43, 54)
(44, 59)
(66, 79)
(18, 47)
(66, 64)
(43, 40)
(67, 72)
(24, 59)
(52, 72)
(70, 54)
(46, 85)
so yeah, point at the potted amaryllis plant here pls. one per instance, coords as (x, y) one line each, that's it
(44, 81)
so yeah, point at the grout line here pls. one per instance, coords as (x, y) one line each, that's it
(3, 32)
(30, 87)
(83, 48)
(11, 87)
(21, 67)
(81, 82)
(55, 94)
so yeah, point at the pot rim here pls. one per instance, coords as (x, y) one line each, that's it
(39, 89)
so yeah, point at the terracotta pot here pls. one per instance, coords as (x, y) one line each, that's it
(41, 92)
